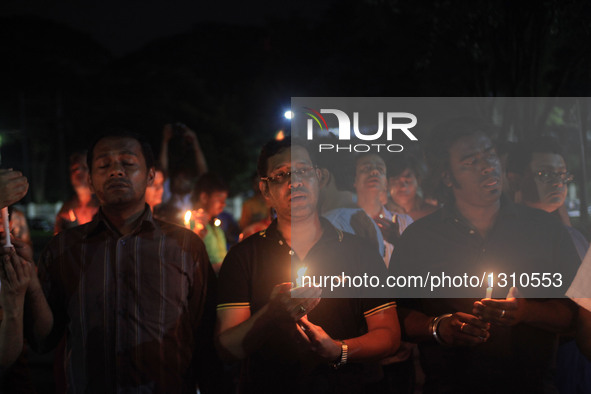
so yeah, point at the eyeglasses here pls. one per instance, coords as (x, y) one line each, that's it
(554, 177)
(282, 177)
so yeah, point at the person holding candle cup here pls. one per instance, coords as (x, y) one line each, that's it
(486, 345)
(299, 344)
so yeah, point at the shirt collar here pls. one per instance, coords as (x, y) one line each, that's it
(329, 232)
(100, 222)
(449, 212)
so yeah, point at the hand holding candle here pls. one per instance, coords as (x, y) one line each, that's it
(292, 303)
(504, 312)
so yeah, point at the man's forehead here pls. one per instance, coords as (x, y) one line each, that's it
(117, 145)
(407, 172)
(471, 144)
(287, 157)
(547, 160)
(370, 158)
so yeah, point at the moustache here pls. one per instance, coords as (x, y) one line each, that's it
(117, 182)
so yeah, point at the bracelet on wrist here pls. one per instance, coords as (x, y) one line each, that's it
(434, 327)
(342, 360)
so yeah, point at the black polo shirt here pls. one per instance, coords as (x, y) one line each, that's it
(248, 275)
(515, 359)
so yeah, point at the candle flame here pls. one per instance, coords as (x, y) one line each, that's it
(187, 218)
(301, 273)
(217, 222)
(72, 216)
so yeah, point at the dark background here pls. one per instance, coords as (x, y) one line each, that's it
(69, 69)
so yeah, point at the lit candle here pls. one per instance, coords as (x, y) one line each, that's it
(490, 286)
(72, 216)
(7, 243)
(188, 220)
(301, 273)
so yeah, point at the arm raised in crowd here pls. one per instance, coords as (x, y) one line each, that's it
(239, 334)
(191, 138)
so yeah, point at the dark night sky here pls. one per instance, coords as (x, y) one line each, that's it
(124, 26)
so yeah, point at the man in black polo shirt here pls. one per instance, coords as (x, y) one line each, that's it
(489, 345)
(303, 344)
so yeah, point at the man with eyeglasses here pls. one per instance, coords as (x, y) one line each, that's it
(290, 339)
(469, 343)
(540, 171)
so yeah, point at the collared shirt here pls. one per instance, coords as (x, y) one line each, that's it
(514, 359)
(283, 364)
(130, 305)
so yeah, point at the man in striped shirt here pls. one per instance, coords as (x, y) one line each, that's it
(130, 292)
(304, 344)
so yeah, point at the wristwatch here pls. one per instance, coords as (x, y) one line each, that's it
(342, 360)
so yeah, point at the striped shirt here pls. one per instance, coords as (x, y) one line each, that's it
(131, 306)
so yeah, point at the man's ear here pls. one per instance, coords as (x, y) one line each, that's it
(264, 187)
(151, 176)
(323, 176)
(446, 179)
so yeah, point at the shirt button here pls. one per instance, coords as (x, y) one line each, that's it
(280, 242)
(472, 231)
(291, 252)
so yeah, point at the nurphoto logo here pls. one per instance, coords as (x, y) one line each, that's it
(344, 130)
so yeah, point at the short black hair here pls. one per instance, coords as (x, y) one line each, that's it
(398, 163)
(209, 183)
(520, 158)
(116, 133)
(274, 147)
(442, 137)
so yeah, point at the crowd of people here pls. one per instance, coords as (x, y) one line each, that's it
(150, 286)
